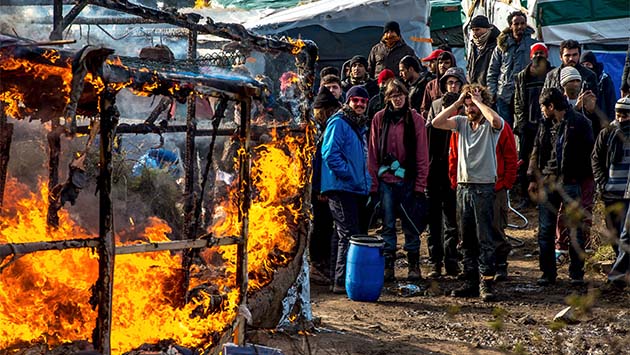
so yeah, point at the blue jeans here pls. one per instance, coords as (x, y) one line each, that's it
(615, 219)
(547, 219)
(475, 209)
(504, 109)
(621, 268)
(399, 201)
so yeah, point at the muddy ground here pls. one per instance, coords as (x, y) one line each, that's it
(432, 322)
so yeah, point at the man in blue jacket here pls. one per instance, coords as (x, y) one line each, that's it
(345, 178)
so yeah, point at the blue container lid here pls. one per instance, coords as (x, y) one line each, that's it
(372, 241)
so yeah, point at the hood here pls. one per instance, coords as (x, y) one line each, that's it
(505, 39)
(590, 57)
(452, 56)
(453, 71)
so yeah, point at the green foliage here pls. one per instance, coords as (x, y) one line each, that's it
(583, 304)
(519, 349)
(499, 315)
(453, 309)
(556, 325)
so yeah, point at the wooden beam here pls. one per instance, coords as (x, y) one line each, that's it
(60, 25)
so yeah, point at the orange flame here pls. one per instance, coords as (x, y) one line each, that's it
(44, 296)
(298, 44)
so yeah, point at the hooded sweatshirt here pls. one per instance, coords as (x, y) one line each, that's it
(432, 91)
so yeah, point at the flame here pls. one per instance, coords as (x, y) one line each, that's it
(44, 296)
(200, 4)
(287, 79)
(297, 44)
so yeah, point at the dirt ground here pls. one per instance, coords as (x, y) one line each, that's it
(432, 322)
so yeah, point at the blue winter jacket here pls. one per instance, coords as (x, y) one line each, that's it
(344, 157)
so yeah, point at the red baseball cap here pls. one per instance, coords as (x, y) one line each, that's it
(538, 47)
(433, 56)
(384, 75)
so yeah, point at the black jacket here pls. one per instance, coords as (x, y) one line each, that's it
(526, 93)
(575, 165)
(369, 84)
(382, 57)
(608, 150)
(416, 90)
(479, 61)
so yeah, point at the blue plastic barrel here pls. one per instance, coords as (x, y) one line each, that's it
(364, 268)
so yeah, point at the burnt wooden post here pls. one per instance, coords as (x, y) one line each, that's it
(244, 177)
(57, 20)
(106, 250)
(54, 149)
(6, 134)
(189, 186)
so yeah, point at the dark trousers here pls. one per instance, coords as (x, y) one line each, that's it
(621, 268)
(398, 201)
(475, 213)
(615, 218)
(323, 226)
(526, 145)
(504, 109)
(345, 208)
(442, 217)
(499, 223)
(563, 232)
(547, 220)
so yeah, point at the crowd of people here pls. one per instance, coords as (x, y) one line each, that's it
(434, 145)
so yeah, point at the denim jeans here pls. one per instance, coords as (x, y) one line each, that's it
(621, 268)
(443, 238)
(499, 223)
(399, 201)
(344, 207)
(547, 219)
(475, 211)
(504, 109)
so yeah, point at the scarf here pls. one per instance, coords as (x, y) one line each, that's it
(390, 39)
(481, 42)
(357, 121)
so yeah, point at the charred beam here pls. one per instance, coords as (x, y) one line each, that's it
(61, 24)
(244, 156)
(204, 241)
(54, 149)
(106, 250)
(6, 135)
(142, 128)
(80, 20)
(57, 20)
(34, 2)
(190, 190)
(234, 32)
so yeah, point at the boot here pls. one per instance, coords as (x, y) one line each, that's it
(452, 269)
(436, 271)
(389, 268)
(486, 291)
(502, 273)
(413, 259)
(469, 289)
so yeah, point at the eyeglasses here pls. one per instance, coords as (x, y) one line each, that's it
(358, 100)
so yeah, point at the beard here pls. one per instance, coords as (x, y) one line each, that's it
(474, 116)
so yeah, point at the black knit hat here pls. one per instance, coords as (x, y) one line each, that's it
(480, 21)
(357, 91)
(325, 99)
(588, 56)
(359, 59)
(328, 70)
(392, 26)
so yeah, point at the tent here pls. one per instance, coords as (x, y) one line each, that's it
(344, 28)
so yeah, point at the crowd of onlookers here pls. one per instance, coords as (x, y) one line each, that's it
(431, 144)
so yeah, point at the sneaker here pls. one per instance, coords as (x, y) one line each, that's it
(436, 271)
(501, 274)
(413, 274)
(546, 280)
(486, 291)
(469, 289)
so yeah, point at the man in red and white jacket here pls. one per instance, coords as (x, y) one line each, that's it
(507, 164)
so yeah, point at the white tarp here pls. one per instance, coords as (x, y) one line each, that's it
(342, 16)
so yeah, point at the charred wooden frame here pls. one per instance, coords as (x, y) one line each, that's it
(305, 62)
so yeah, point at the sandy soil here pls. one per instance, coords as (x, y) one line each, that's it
(520, 322)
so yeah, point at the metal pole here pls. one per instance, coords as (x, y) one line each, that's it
(244, 160)
(106, 250)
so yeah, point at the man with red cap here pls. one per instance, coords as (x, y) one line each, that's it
(433, 91)
(527, 87)
(389, 51)
(431, 60)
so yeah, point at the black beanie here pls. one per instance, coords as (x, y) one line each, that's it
(357, 91)
(480, 21)
(359, 59)
(392, 26)
(588, 56)
(325, 99)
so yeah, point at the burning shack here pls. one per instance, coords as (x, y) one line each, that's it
(241, 245)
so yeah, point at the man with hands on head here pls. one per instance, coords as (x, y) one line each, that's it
(478, 133)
